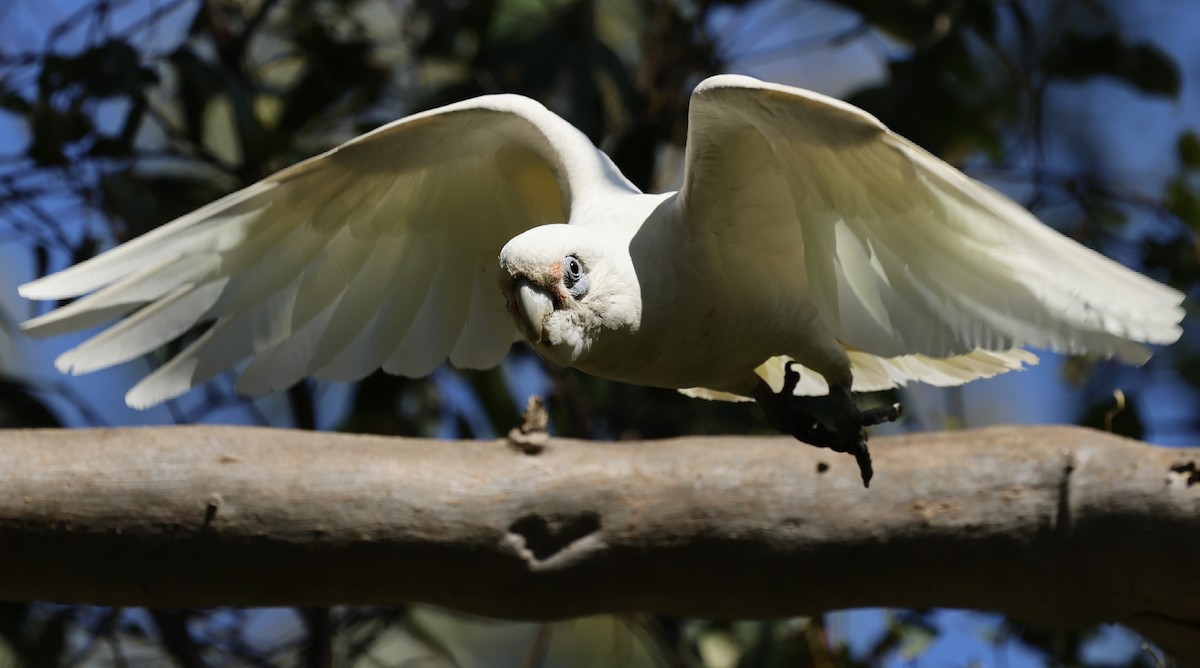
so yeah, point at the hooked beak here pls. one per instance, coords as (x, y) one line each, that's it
(533, 307)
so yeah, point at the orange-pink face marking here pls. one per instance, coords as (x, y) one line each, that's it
(555, 285)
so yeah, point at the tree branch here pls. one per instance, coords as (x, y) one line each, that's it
(1053, 524)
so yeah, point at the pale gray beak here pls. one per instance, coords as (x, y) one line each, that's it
(533, 307)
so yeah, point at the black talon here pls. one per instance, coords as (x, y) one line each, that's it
(874, 416)
(848, 434)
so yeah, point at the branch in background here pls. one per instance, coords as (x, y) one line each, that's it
(1057, 525)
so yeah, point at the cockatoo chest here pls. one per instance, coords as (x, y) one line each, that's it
(710, 314)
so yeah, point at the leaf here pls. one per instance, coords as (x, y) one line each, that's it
(967, 114)
(1189, 368)
(1183, 203)
(913, 633)
(20, 409)
(15, 103)
(905, 21)
(114, 69)
(1189, 149)
(335, 69)
(1145, 66)
(1178, 257)
(56, 73)
(147, 201)
(914, 641)
(198, 82)
(53, 131)
(34, 638)
(110, 147)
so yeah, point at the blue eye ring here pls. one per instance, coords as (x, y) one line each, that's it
(572, 270)
(575, 278)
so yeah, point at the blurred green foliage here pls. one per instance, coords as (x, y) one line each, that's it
(135, 133)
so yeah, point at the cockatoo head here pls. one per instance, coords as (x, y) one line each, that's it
(567, 286)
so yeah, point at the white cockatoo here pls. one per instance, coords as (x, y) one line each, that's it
(810, 250)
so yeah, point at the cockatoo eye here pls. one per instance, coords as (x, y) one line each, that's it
(572, 269)
(573, 277)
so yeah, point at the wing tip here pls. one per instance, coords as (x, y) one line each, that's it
(76, 362)
(159, 387)
(712, 395)
(148, 393)
(45, 288)
(140, 401)
(51, 323)
(68, 363)
(36, 326)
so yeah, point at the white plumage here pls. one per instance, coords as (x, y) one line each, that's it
(805, 230)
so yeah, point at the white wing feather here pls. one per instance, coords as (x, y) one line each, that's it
(873, 373)
(908, 261)
(380, 252)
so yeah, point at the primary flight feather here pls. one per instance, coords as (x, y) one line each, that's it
(805, 233)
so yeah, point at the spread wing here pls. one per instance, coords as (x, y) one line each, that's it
(380, 252)
(905, 255)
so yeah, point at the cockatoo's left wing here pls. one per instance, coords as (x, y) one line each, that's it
(380, 252)
(911, 264)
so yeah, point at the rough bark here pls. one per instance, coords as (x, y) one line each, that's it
(1053, 524)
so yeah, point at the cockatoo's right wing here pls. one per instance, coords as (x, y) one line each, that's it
(919, 271)
(380, 252)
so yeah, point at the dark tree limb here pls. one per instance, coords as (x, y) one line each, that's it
(1058, 525)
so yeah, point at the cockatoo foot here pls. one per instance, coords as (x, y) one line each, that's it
(849, 432)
